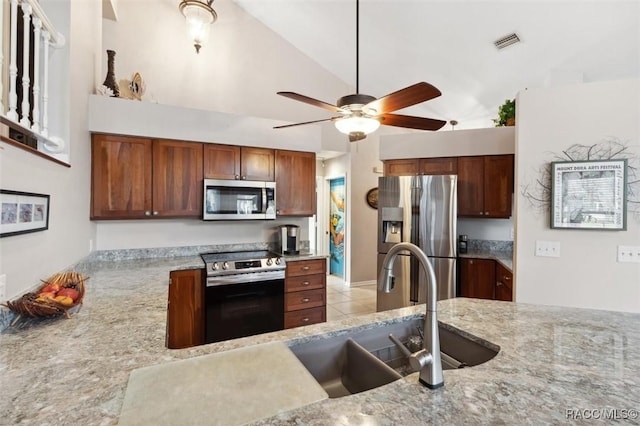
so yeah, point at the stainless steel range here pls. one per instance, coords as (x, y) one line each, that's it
(244, 294)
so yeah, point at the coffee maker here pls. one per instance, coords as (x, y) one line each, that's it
(289, 239)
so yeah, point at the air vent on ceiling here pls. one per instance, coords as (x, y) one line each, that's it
(507, 41)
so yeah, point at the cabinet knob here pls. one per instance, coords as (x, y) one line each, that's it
(499, 283)
(486, 213)
(306, 283)
(237, 177)
(155, 213)
(506, 278)
(305, 268)
(147, 213)
(277, 211)
(306, 300)
(305, 319)
(244, 178)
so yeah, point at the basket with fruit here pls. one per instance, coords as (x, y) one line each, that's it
(55, 297)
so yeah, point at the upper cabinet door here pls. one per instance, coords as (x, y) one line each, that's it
(295, 183)
(438, 166)
(470, 186)
(221, 161)
(121, 177)
(498, 185)
(257, 164)
(177, 178)
(408, 167)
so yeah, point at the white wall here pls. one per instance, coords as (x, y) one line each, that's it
(26, 259)
(239, 70)
(452, 143)
(586, 274)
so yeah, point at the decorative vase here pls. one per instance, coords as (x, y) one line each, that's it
(110, 80)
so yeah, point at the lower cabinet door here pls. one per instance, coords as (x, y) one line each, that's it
(304, 299)
(305, 317)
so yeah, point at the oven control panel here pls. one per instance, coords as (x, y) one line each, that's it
(244, 266)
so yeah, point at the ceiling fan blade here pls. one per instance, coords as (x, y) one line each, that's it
(306, 122)
(403, 98)
(411, 122)
(310, 101)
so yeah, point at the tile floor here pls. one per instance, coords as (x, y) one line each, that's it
(344, 302)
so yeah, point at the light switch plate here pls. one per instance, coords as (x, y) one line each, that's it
(548, 248)
(629, 254)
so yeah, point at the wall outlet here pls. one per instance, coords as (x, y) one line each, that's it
(90, 245)
(548, 248)
(629, 254)
(3, 287)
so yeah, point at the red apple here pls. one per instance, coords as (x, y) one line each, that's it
(51, 288)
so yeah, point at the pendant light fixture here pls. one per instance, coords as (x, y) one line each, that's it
(199, 15)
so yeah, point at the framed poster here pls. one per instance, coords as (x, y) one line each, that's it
(589, 195)
(23, 212)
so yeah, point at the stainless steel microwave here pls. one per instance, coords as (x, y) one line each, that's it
(238, 200)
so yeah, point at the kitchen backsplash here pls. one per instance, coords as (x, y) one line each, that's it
(490, 245)
(149, 253)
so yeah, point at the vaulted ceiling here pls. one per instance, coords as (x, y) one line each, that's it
(450, 44)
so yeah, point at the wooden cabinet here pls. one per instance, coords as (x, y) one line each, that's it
(185, 311)
(485, 279)
(477, 278)
(295, 174)
(133, 178)
(485, 186)
(404, 167)
(177, 179)
(305, 293)
(421, 166)
(121, 178)
(236, 162)
(504, 283)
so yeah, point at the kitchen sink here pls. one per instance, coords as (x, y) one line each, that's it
(357, 361)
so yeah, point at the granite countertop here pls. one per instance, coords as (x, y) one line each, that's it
(552, 363)
(504, 257)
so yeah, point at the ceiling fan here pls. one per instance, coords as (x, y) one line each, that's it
(359, 114)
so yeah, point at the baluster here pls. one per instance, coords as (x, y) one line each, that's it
(13, 66)
(26, 12)
(37, 23)
(45, 92)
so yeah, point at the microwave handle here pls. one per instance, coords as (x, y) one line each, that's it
(264, 200)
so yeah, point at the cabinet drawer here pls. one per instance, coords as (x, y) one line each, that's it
(304, 282)
(304, 317)
(305, 267)
(304, 299)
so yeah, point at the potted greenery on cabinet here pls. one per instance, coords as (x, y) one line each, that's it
(506, 114)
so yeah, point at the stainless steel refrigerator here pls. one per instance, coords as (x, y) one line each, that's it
(421, 210)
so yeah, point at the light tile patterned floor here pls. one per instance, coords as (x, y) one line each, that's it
(345, 302)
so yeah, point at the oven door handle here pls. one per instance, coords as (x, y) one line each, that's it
(250, 277)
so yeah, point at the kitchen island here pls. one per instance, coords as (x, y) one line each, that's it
(555, 364)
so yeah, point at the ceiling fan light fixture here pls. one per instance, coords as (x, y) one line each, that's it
(357, 124)
(199, 16)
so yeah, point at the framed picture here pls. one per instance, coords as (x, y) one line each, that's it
(589, 195)
(372, 198)
(23, 212)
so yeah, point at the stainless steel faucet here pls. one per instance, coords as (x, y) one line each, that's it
(426, 360)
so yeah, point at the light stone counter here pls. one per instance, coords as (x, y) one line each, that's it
(552, 362)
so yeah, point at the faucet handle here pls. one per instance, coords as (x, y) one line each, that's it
(420, 359)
